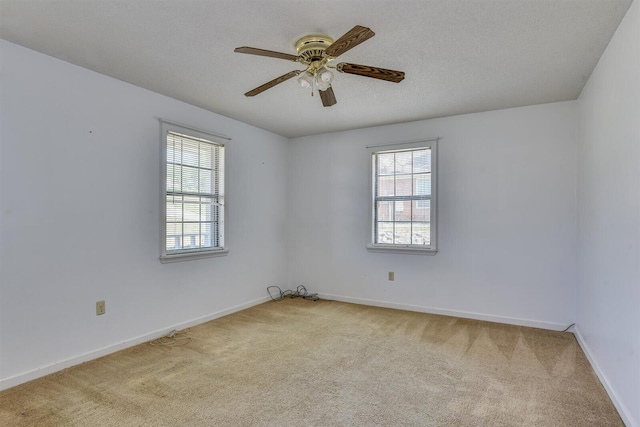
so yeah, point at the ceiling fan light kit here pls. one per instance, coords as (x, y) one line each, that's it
(316, 52)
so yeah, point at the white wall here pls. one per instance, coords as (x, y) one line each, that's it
(79, 206)
(507, 218)
(608, 310)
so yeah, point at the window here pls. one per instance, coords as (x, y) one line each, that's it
(193, 204)
(403, 203)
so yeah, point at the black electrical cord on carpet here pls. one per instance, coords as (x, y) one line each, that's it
(569, 327)
(300, 292)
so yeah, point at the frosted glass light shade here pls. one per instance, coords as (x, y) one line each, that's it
(326, 75)
(305, 80)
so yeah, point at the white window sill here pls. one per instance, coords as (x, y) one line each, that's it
(398, 249)
(188, 256)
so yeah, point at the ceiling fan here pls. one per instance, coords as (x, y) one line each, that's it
(317, 52)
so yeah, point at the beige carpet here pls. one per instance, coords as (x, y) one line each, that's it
(304, 363)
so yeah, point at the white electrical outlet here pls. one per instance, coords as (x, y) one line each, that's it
(100, 308)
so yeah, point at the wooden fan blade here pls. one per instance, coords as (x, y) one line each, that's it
(351, 39)
(263, 52)
(374, 72)
(328, 97)
(272, 83)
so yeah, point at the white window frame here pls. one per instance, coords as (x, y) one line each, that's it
(432, 248)
(188, 254)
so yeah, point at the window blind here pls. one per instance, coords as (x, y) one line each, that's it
(194, 193)
(402, 197)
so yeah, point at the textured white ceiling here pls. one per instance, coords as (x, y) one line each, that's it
(459, 56)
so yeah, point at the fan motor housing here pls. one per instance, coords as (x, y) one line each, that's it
(311, 48)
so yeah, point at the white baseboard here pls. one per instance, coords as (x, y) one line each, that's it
(76, 360)
(622, 409)
(447, 312)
